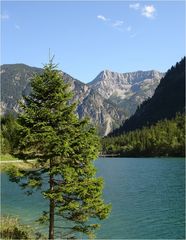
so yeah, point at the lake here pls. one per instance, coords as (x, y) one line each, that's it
(147, 196)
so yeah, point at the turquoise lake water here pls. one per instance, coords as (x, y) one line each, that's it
(147, 196)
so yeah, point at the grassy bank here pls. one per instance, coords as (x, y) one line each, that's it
(7, 157)
(7, 161)
(12, 228)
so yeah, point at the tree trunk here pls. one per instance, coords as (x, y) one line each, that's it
(52, 207)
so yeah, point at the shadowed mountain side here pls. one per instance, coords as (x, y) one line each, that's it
(168, 99)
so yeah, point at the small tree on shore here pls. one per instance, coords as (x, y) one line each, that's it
(64, 148)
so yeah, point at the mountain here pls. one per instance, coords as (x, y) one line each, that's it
(126, 90)
(105, 114)
(108, 100)
(167, 101)
(15, 82)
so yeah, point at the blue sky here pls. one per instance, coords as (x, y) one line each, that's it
(90, 36)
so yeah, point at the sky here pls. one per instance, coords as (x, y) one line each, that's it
(87, 37)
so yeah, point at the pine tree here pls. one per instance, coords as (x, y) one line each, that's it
(64, 148)
(8, 133)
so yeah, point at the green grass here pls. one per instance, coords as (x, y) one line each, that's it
(12, 228)
(7, 157)
(5, 163)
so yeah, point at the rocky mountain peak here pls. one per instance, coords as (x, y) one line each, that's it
(109, 83)
(108, 100)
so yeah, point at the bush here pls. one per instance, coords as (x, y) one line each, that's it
(11, 228)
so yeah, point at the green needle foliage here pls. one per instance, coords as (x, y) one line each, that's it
(64, 148)
(165, 138)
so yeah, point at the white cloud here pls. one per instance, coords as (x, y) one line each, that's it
(145, 10)
(117, 23)
(101, 17)
(135, 6)
(148, 11)
(4, 16)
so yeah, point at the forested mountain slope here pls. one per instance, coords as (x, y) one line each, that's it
(165, 138)
(167, 101)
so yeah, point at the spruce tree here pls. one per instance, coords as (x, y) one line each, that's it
(64, 148)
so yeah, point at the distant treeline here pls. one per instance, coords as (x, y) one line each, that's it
(165, 138)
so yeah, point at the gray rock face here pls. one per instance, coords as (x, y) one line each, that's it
(101, 112)
(127, 90)
(15, 79)
(108, 100)
(15, 82)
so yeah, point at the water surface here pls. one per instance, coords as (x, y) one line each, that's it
(147, 196)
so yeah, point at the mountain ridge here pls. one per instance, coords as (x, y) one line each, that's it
(127, 90)
(167, 101)
(107, 113)
(121, 79)
(107, 72)
(15, 82)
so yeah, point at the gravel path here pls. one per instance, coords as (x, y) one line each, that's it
(13, 161)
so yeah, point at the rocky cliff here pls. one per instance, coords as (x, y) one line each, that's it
(167, 101)
(127, 90)
(108, 100)
(15, 82)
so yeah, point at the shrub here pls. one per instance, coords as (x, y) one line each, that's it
(11, 228)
